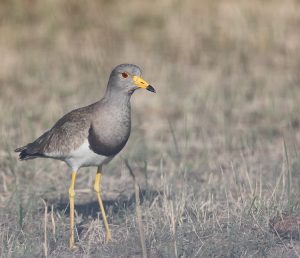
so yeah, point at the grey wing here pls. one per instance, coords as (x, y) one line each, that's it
(66, 135)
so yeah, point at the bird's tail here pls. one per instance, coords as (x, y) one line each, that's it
(25, 153)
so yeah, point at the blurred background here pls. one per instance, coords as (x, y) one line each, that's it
(217, 144)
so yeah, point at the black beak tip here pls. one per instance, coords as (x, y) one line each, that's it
(150, 88)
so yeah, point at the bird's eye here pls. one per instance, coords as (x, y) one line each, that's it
(124, 75)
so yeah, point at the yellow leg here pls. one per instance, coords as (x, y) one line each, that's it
(71, 197)
(97, 189)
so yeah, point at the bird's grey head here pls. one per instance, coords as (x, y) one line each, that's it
(126, 78)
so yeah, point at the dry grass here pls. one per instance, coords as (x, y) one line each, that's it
(215, 151)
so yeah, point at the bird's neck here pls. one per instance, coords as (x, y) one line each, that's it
(117, 98)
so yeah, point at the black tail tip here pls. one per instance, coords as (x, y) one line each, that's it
(23, 153)
(19, 149)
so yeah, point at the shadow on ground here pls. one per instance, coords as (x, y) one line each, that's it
(113, 207)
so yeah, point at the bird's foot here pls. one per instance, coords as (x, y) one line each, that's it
(108, 237)
(72, 245)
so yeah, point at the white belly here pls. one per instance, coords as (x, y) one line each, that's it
(85, 157)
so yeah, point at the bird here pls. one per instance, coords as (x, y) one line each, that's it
(93, 135)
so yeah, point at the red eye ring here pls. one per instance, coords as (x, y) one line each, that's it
(124, 75)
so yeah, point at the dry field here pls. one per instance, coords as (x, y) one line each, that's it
(215, 151)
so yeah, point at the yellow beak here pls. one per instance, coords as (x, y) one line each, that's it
(141, 83)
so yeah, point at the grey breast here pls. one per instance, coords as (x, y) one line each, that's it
(110, 128)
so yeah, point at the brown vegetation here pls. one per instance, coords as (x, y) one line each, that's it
(215, 151)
